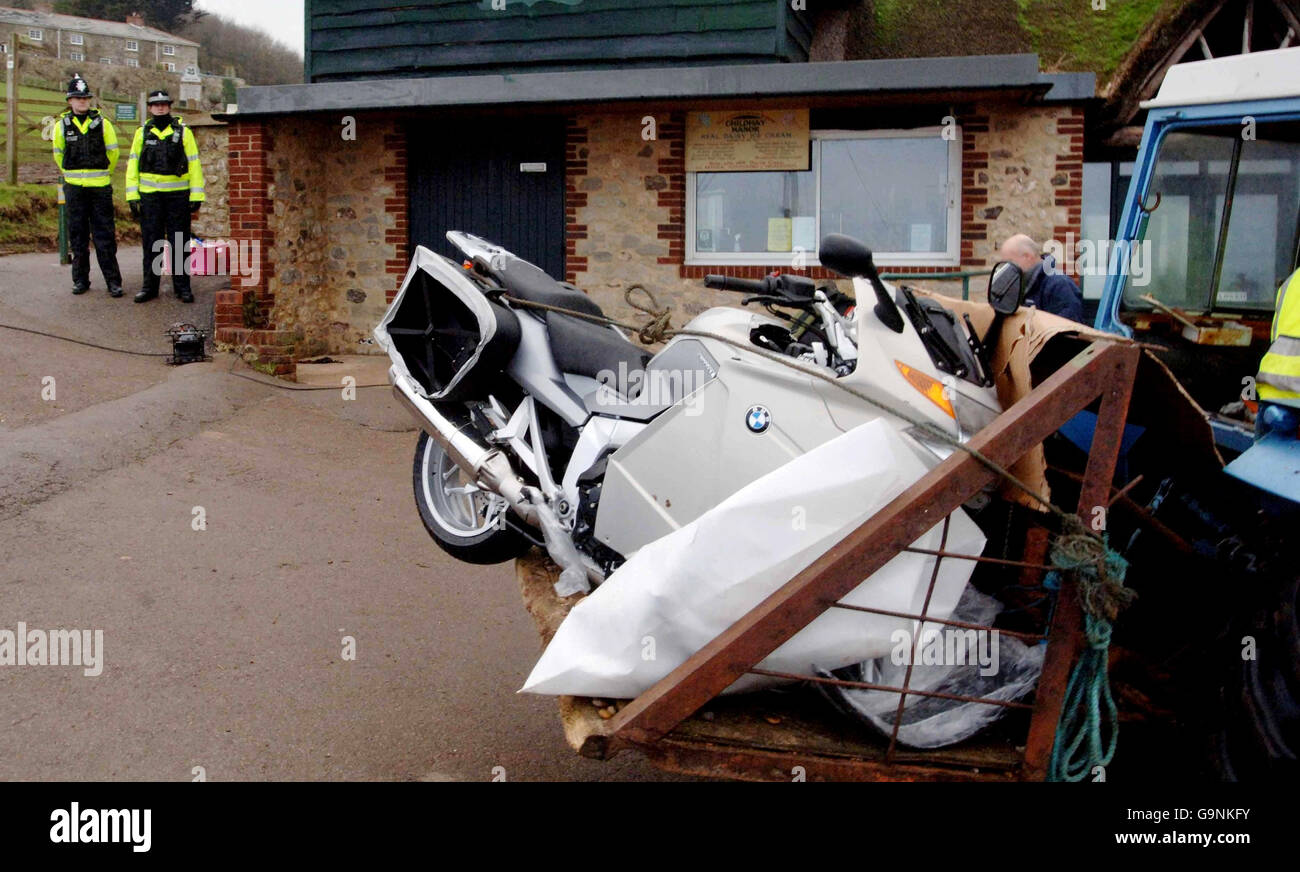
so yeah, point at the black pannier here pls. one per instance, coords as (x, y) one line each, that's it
(452, 339)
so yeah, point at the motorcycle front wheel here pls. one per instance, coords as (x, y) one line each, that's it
(466, 521)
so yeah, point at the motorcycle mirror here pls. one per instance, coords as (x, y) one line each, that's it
(848, 257)
(1006, 288)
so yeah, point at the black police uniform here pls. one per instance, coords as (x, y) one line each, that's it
(82, 151)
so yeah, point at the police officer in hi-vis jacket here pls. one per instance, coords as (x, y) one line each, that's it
(164, 187)
(86, 152)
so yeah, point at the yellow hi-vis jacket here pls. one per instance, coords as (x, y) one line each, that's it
(191, 180)
(86, 178)
(1279, 371)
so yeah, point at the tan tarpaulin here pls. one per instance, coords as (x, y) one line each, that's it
(1159, 403)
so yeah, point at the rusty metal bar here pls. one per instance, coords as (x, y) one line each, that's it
(1064, 639)
(1122, 493)
(1028, 637)
(863, 685)
(909, 516)
(1046, 567)
(1148, 520)
(916, 644)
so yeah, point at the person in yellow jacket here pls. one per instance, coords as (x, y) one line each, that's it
(1278, 382)
(86, 153)
(164, 188)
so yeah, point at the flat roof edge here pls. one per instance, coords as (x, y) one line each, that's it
(975, 72)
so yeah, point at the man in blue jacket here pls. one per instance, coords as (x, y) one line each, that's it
(1047, 287)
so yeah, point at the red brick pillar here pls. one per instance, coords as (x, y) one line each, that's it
(974, 189)
(1070, 195)
(672, 166)
(575, 169)
(240, 319)
(398, 205)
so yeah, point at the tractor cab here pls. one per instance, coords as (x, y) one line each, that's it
(1213, 213)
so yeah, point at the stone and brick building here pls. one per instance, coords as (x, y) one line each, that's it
(569, 134)
(128, 43)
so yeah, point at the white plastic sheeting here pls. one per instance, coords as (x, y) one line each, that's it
(679, 592)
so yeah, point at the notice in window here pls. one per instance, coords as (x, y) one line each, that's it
(779, 234)
(747, 141)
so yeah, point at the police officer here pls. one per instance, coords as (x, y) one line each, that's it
(1278, 382)
(164, 188)
(85, 151)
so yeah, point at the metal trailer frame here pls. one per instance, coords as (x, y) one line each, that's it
(1105, 370)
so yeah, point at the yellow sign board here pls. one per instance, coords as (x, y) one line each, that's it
(747, 140)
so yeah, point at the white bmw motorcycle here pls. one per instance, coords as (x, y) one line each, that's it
(550, 428)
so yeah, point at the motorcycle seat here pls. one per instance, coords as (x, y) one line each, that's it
(583, 348)
(528, 282)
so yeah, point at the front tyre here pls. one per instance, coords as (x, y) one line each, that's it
(466, 521)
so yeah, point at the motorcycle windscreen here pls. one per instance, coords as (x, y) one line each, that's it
(678, 593)
(443, 332)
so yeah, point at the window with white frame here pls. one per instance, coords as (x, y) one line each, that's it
(132, 45)
(169, 49)
(76, 56)
(106, 60)
(76, 39)
(896, 190)
(4, 48)
(169, 67)
(132, 62)
(35, 34)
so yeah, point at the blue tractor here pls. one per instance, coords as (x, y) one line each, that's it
(1209, 230)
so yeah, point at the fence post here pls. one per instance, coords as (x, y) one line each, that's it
(11, 109)
(64, 257)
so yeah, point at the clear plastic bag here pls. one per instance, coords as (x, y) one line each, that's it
(974, 663)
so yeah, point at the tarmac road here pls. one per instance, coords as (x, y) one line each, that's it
(223, 647)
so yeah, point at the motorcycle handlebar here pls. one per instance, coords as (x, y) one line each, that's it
(729, 283)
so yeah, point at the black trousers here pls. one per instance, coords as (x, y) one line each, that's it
(166, 216)
(90, 215)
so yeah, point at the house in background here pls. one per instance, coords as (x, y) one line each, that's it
(87, 40)
(585, 136)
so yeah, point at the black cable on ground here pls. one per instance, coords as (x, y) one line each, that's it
(270, 384)
(88, 344)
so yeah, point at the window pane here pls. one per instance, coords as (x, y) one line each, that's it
(754, 212)
(1191, 178)
(1093, 261)
(1261, 240)
(890, 193)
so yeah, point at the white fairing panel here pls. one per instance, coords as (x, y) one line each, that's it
(449, 276)
(684, 589)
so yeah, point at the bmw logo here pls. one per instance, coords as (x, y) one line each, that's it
(758, 419)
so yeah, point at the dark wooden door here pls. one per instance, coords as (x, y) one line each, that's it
(503, 181)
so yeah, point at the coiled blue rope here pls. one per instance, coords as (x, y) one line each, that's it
(1088, 730)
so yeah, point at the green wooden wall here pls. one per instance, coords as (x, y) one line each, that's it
(365, 39)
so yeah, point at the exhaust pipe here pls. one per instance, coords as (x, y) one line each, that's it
(491, 469)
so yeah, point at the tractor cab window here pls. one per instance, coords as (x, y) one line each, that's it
(1221, 219)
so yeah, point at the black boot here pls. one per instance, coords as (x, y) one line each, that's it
(186, 296)
(115, 290)
(80, 289)
(146, 295)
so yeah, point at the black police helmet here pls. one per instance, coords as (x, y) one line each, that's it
(77, 87)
